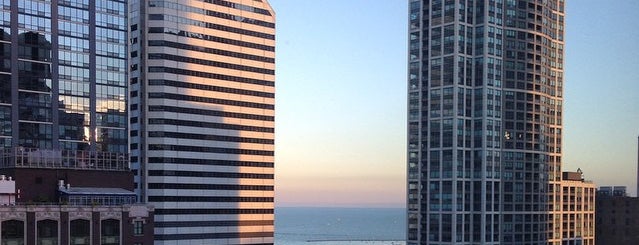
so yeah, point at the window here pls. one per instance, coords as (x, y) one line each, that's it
(80, 231)
(13, 230)
(47, 231)
(138, 228)
(110, 232)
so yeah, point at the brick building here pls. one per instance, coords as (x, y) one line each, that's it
(617, 218)
(70, 197)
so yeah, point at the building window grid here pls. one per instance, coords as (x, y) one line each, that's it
(493, 73)
(186, 8)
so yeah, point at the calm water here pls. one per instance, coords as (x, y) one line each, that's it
(350, 226)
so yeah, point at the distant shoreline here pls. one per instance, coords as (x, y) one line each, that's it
(332, 207)
(340, 226)
(359, 242)
(354, 240)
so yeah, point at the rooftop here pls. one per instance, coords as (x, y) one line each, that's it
(96, 191)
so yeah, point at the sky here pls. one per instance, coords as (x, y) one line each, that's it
(341, 99)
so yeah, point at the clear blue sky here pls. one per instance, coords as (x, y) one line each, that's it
(341, 98)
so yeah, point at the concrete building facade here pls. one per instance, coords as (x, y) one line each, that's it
(73, 224)
(202, 91)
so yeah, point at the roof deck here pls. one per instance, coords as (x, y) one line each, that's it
(21, 157)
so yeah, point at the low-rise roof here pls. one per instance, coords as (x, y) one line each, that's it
(96, 191)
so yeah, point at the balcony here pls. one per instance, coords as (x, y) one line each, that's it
(21, 157)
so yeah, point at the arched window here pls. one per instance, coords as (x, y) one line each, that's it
(13, 232)
(47, 232)
(110, 229)
(80, 232)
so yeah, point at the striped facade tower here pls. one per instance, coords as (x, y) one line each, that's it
(202, 91)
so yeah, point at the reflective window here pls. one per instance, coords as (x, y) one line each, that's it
(111, 21)
(73, 44)
(110, 139)
(75, 3)
(5, 121)
(74, 126)
(73, 14)
(73, 58)
(111, 88)
(5, 88)
(112, 7)
(34, 46)
(35, 7)
(5, 57)
(35, 135)
(74, 84)
(73, 29)
(35, 106)
(34, 76)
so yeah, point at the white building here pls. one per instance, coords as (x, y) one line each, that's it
(202, 118)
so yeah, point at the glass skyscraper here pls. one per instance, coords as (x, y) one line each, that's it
(202, 91)
(485, 94)
(63, 74)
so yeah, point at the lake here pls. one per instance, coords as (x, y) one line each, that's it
(329, 226)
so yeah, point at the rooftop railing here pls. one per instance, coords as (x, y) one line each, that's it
(21, 157)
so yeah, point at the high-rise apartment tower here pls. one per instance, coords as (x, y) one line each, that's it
(485, 84)
(202, 90)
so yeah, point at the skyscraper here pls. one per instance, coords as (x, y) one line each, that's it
(485, 94)
(202, 93)
(63, 75)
